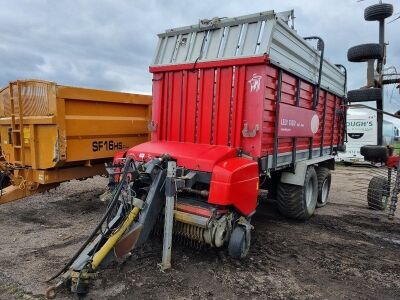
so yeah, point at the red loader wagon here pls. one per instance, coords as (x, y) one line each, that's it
(237, 104)
(241, 101)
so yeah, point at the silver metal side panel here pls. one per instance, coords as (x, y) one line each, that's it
(291, 52)
(219, 39)
(246, 36)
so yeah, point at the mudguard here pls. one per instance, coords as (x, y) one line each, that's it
(235, 182)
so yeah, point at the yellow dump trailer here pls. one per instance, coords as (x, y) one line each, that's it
(52, 133)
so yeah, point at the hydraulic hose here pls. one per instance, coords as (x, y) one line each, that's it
(104, 217)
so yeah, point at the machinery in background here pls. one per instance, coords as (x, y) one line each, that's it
(384, 188)
(361, 131)
(52, 133)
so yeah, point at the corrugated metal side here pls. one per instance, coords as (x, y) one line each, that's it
(331, 128)
(246, 36)
(289, 91)
(291, 52)
(228, 38)
(211, 104)
(34, 98)
(198, 106)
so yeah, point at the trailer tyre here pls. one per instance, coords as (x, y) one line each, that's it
(324, 185)
(364, 95)
(239, 242)
(378, 193)
(364, 52)
(299, 202)
(375, 153)
(378, 12)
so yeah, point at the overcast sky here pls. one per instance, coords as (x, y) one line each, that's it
(109, 44)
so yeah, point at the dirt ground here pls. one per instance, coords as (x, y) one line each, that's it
(345, 251)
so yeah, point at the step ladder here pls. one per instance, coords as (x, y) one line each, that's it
(17, 128)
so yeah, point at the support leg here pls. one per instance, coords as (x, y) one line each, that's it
(170, 192)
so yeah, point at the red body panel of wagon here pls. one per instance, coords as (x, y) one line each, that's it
(209, 110)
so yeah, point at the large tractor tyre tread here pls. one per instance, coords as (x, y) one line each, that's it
(324, 182)
(365, 95)
(365, 52)
(291, 199)
(377, 195)
(378, 12)
(375, 153)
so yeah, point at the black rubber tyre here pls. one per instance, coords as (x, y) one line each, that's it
(324, 185)
(364, 52)
(365, 95)
(378, 12)
(294, 200)
(271, 185)
(378, 193)
(239, 243)
(5, 181)
(373, 153)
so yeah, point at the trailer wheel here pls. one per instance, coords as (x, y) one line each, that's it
(239, 243)
(375, 153)
(364, 52)
(378, 12)
(377, 195)
(324, 185)
(299, 202)
(364, 95)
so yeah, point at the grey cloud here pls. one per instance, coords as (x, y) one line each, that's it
(109, 44)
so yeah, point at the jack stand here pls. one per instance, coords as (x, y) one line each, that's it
(170, 193)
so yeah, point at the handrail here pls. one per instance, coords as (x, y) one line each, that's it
(321, 48)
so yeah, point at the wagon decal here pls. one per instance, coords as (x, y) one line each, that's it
(255, 83)
(297, 122)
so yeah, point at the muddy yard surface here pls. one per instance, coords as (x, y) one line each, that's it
(345, 251)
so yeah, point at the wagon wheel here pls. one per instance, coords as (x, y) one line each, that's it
(375, 153)
(365, 52)
(364, 95)
(378, 12)
(239, 243)
(378, 194)
(299, 202)
(324, 184)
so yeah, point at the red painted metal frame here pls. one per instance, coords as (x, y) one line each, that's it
(200, 111)
(252, 60)
(200, 157)
(211, 102)
(393, 161)
(234, 182)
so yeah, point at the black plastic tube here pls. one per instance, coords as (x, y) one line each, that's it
(321, 48)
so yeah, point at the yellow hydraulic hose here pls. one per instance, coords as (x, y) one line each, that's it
(101, 254)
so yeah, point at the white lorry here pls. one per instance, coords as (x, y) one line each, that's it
(361, 131)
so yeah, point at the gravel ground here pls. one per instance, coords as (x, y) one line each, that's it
(345, 251)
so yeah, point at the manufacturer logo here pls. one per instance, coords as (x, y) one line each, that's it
(255, 83)
(314, 124)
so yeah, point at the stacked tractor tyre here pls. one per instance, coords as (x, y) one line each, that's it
(371, 52)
